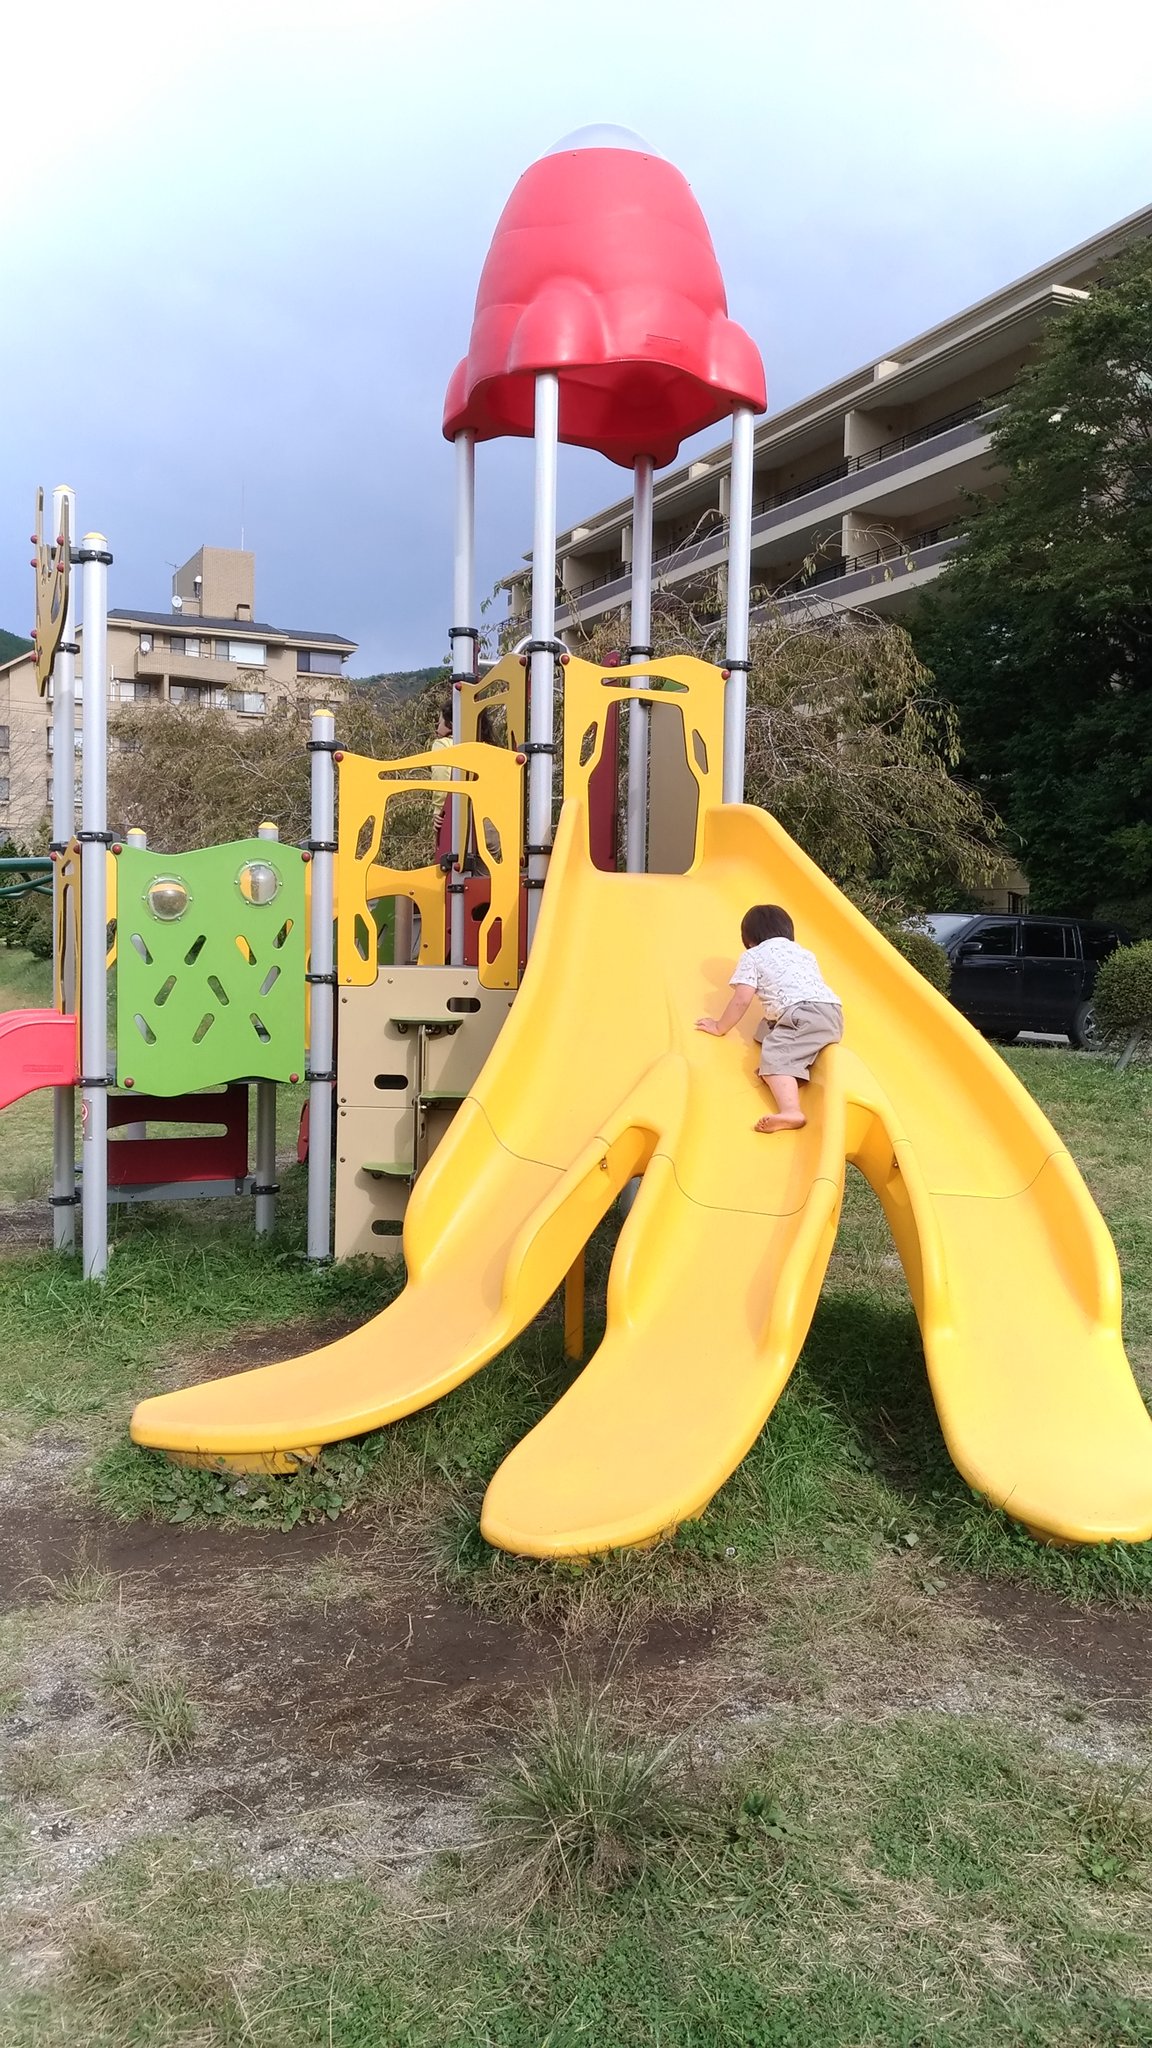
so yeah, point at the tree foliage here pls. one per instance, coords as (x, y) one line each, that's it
(850, 746)
(190, 778)
(1041, 631)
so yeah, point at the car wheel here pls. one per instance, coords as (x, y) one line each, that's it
(1084, 1032)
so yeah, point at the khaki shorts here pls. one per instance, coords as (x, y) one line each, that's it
(790, 1045)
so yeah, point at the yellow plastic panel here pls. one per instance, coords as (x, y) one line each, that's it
(490, 781)
(695, 688)
(598, 1075)
(505, 685)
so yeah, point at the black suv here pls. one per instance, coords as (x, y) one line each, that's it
(1012, 974)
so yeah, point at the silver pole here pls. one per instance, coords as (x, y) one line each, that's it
(95, 557)
(265, 1162)
(739, 598)
(636, 833)
(463, 608)
(542, 674)
(322, 992)
(63, 826)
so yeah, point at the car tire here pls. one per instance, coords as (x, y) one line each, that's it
(1083, 1031)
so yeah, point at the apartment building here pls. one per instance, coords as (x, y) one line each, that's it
(861, 490)
(208, 653)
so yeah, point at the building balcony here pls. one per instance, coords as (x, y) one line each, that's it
(184, 668)
(886, 576)
(945, 443)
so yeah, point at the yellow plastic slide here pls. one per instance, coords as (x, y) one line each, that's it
(599, 1074)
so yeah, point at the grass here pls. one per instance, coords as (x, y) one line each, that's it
(915, 1885)
(154, 1700)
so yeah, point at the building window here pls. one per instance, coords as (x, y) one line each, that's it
(249, 653)
(48, 790)
(185, 643)
(317, 661)
(78, 689)
(205, 696)
(251, 702)
(52, 741)
(4, 789)
(3, 739)
(146, 643)
(127, 692)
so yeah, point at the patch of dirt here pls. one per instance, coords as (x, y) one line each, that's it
(1106, 1653)
(329, 1659)
(26, 1229)
(260, 1346)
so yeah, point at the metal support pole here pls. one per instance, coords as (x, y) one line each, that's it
(463, 649)
(636, 831)
(63, 826)
(94, 556)
(542, 674)
(320, 1042)
(739, 598)
(265, 1162)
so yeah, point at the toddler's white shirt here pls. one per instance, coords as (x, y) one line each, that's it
(782, 973)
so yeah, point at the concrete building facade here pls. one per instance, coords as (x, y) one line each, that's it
(208, 653)
(861, 490)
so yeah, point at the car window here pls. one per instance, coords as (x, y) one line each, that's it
(1049, 942)
(1098, 941)
(997, 939)
(944, 924)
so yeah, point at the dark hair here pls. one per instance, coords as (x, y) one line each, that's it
(766, 921)
(444, 712)
(485, 730)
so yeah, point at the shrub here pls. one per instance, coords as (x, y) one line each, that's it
(35, 928)
(925, 956)
(1124, 991)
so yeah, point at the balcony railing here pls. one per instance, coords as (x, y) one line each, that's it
(688, 550)
(981, 408)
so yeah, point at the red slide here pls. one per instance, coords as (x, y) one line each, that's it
(37, 1050)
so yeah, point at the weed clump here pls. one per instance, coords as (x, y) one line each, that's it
(587, 1804)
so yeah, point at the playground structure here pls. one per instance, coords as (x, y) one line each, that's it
(601, 321)
(205, 952)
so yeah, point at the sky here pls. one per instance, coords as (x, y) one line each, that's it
(240, 245)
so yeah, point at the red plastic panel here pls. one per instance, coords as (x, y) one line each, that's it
(141, 1162)
(604, 796)
(476, 899)
(602, 269)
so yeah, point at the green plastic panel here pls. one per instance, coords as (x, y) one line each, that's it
(216, 993)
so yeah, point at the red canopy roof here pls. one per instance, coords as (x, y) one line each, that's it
(602, 269)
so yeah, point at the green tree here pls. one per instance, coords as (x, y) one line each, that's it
(191, 778)
(1041, 631)
(850, 746)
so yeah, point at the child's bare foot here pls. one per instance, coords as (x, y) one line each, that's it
(794, 1121)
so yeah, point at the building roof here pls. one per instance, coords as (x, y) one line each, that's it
(236, 629)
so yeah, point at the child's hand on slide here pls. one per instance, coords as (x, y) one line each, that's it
(709, 1025)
